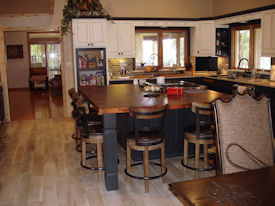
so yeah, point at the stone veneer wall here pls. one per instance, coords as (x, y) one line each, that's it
(115, 66)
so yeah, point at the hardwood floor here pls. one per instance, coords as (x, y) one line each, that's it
(26, 105)
(39, 166)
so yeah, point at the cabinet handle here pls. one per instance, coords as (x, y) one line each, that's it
(121, 53)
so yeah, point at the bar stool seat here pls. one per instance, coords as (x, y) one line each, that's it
(202, 133)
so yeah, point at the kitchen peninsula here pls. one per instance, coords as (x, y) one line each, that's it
(113, 102)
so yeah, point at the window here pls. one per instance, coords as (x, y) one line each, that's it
(163, 47)
(247, 48)
(38, 55)
(39, 52)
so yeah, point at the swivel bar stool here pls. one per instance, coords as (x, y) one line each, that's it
(147, 136)
(92, 115)
(90, 134)
(202, 133)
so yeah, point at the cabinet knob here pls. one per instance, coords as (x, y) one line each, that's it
(198, 52)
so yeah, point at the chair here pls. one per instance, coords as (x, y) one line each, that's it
(38, 78)
(244, 133)
(202, 133)
(56, 86)
(147, 136)
(91, 134)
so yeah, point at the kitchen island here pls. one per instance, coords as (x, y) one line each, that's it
(113, 102)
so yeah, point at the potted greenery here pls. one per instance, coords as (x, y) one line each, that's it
(77, 8)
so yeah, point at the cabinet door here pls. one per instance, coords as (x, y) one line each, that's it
(127, 40)
(113, 44)
(268, 34)
(81, 33)
(205, 41)
(121, 40)
(98, 32)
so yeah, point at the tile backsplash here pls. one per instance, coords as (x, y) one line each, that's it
(116, 63)
(223, 62)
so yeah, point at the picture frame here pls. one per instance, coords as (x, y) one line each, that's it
(14, 51)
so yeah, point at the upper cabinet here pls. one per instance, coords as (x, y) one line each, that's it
(268, 34)
(204, 35)
(89, 32)
(121, 39)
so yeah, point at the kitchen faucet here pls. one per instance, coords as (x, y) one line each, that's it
(241, 62)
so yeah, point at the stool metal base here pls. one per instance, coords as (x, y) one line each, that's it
(142, 177)
(91, 168)
(198, 169)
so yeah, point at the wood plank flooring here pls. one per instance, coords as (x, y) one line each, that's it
(40, 167)
(26, 105)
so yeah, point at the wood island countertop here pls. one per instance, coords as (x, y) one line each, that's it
(118, 98)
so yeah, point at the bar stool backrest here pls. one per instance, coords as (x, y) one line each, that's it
(203, 116)
(149, 120)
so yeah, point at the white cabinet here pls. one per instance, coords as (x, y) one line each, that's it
(121, 39)
(89, 32)
(204, 39)
(268, 34)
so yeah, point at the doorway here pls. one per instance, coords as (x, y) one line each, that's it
(40, 98)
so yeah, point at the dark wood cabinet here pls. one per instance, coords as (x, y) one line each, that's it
(222, 41)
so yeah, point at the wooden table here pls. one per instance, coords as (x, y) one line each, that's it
(258, 184)
(113, 99)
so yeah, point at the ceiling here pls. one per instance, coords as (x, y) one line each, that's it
(26, 7)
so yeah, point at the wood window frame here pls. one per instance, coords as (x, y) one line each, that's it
(251, 28)
(160, 32)
(42, 41)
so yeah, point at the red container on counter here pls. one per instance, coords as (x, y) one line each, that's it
(175, 90)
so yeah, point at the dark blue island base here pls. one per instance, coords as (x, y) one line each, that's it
(175, 122)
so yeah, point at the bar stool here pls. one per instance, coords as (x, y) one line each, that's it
(202, 133)
(147, 136)
(92, 116)
(74, 97)
(90, 134)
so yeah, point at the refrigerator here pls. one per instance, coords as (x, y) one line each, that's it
(90, 66)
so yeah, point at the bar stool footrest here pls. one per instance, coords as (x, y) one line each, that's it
(198, 169)
(142, 177)
(91, 168)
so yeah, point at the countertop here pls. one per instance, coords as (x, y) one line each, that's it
(248, 80)
(241, 80)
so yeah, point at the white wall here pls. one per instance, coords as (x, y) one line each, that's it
(18, 69)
